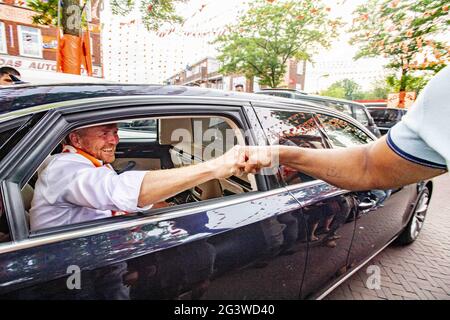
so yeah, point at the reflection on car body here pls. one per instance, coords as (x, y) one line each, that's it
(283, 235)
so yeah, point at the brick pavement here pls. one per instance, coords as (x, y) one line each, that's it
(418, 271)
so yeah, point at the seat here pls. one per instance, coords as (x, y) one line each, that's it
(27, 197)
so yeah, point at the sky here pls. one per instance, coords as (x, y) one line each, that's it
(185, 46)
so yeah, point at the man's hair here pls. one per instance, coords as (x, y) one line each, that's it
(9, 70)
(239, 85)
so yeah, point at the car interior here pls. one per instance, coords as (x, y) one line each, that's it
(173, 142)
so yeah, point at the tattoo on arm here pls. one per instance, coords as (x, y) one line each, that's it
(332, 172)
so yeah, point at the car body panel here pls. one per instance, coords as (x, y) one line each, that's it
(255, 245)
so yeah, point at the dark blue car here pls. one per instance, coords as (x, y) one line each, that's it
(279, 234)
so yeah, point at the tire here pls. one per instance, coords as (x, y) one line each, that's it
(415, 224)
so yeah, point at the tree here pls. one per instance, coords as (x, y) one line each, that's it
(406, 32)
(270, 33)
(154, 12)
(344, 89)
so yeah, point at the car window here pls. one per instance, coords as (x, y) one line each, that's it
(385, 116)
(361, 115)
(280, 94)
(181, 141)
(291, 128)
(145, 129)
(342, 107)
(342, 133)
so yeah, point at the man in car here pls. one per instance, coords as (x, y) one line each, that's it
(415, 149)
(239, 87)
(9, 76)
(79, 184)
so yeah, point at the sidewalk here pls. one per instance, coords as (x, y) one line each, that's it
(418, 271)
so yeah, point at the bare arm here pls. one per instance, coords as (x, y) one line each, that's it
(373, 166)
(162, 184)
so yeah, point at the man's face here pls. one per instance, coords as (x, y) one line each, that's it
(239, 88)
(99, 141)
(5, 79)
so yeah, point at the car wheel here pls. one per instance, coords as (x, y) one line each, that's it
(415, 225)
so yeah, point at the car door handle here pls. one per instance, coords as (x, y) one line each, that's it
(367, 204)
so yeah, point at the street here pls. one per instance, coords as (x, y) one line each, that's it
(420, 271)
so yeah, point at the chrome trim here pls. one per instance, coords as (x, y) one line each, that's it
(337, 284)
(29, 243)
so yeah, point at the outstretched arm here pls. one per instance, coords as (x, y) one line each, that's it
(162, 184)
(373, 166)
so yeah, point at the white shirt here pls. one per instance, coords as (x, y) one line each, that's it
(70, 189)
(423, 134)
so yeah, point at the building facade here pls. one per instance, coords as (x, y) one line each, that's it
(27, 46)
(205, 73)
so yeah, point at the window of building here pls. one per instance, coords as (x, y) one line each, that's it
(30, 42)
(3, 48)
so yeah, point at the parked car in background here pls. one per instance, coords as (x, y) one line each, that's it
(354, 109)
(386, 118)
(279, 235)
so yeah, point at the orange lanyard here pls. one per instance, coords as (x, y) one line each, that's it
(97, 164)
(93, 160)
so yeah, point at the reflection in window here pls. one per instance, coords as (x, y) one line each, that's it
(361, 115)
(291, 129)
(341, 107)
(341, 133)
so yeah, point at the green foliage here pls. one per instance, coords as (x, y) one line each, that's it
(47, 12)
(154, 12)
(344, 89)
(270, 33)
(405, 32)
(411, 83)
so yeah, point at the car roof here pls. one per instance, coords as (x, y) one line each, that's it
(20, 97)
(16, 101)
(312, 97)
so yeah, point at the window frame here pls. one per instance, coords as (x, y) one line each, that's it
(21, 31)
(55, 126)
(296, 107)
(3, 45)
(325, 138)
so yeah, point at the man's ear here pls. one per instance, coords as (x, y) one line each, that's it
(74, 139)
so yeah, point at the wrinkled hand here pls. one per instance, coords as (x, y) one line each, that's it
(232, 163)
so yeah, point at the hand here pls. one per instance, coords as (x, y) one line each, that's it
(260, 157)
(232, 163)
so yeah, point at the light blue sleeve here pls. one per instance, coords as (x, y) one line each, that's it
(406, 143)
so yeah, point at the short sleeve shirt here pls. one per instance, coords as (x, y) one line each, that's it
(423, 135)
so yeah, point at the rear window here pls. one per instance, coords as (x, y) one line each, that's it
(279, 94)
(361, 115)
(386, 115)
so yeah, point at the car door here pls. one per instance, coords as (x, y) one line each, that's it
(327, 213)
(382, 214)
(233, 247)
